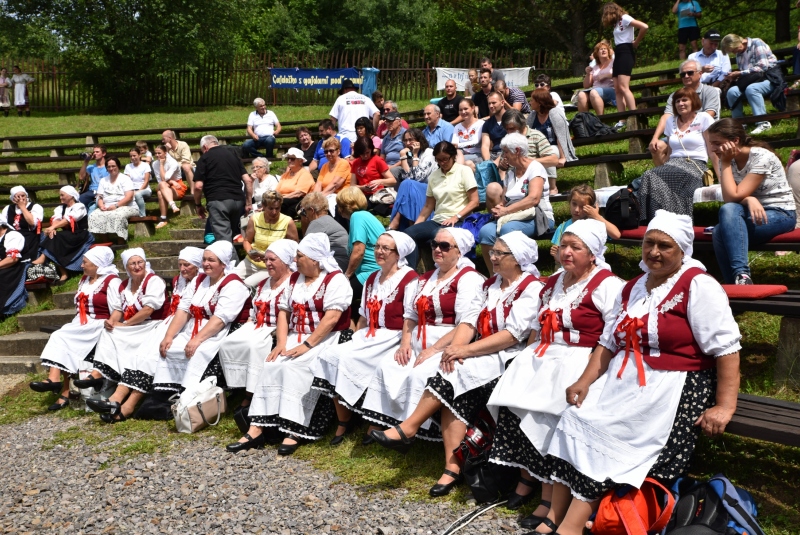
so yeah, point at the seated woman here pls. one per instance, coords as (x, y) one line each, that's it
(295, 182)
(242, 353)
(203, 319)
(25, 217)
(551, 121)
(139, 173)
(468, 135)
(671, 186)
(598, 82)
(267, 226)
(345, 371)
(66, 248)
(414, 178)
(370, 172)
(313, 311)
(521, 203)
(462, 373)
(12, 271)
(167, 171)
(68, 347)
(671, 355)
(759, 203)
(133, 321)
(306, 144)
(364, 128)
(263, 181)
(114, 205)
(528, 400)
(451, 195)
(335, 174)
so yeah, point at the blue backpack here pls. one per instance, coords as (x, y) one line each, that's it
(715, 507)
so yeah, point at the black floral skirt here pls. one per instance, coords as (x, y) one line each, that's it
(512, 448)
(324, 413)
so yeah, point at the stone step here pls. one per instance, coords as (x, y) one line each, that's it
(169, 247)
(32, 322)
(158, 263)
(24, 343)
(199, 223)
(64, 300)
(187, 234)
(11, 365)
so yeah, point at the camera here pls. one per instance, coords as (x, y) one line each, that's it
(85, 156)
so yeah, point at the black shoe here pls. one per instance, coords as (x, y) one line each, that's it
(113, 417)
(251, 444)
(89, 382)
(515, 501)
(101, 405)
(58, 406)
(46, 386)
(288, 449)
(533, 521)
(348, 426)
(443, 490)
(242, 418)
(402, 445)
(367, 440)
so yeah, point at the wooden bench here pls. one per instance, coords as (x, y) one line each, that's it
(789, 241)
(145, 226)
(767, 419)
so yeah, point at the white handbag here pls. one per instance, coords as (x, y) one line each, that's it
(197, 406)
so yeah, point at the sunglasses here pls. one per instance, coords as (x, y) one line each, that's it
(687, 73)
(541, 84)
(443, 246)
(330, 151)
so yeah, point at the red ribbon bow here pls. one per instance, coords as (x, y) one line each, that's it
(262, 307)
(83, 307)
(300, 312)
(629, 326)
(485, 323)
(173, 305)
(129, 313)
(198, 313)
(423, 304)
(71, 223)
(373, 309)
(549, 322)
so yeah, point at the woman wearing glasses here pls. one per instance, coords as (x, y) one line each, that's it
(335, 174)
(598, 84)
(263, 181)
(295, 182)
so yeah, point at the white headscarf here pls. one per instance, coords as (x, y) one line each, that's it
(404, 244)
(225, 252)
(679, 228)
(465, 242)
(593, 234)
(136, 251)
(286, 250)
(193, 255)
(72, 192)
(103, 258)
(15, 190)
(524, 249)
(317, 247)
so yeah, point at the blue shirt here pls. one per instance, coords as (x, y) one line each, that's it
(319, 154)
(560, 231)
(391, 146)
(495, 131)
(97, 174)
(442, 132)
(688, 22)
(365, 228)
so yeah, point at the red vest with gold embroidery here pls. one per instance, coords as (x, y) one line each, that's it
(393, 310)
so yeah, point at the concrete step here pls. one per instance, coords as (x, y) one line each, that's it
(24, 343)
(64, 300)
(11, 365)
(169, 247)
(199, 223)
(58, 316)
(158, 263)
(187, 234)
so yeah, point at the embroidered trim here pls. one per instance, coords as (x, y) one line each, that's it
(672, 303)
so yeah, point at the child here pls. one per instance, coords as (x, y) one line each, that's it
(144, 152)
(582, 205)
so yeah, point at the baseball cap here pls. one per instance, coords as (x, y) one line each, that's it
(392, 116)
(713, 35)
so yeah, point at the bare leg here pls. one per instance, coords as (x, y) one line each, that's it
(162, 203)
(188, 172)
(343, 414)
(694, 46)
(39, 260)
(120, 394)
(453, 431)
(460, 157)
(577, 516)
(625, 100)
(62, 272)
(682, 51)
(660, 156)
(394, 224)
(597, 102)
(427, 407)
(561, 500)
(130, 404)
(471, 165)
(547, 496)
(551, 183)
(583, 100)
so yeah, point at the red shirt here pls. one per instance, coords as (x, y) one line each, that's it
(368, 171)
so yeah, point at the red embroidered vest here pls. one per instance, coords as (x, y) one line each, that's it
(263, 309)
(447, 299)
(99, 299)
(307, 317)
(131, 310)
(393, 310)
(488, 322)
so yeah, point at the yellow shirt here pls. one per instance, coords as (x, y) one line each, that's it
(267, 233)
(183, 154)
(450, 190)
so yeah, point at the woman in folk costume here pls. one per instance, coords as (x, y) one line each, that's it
(243, 353)
(13, 295)
(203, 319)
(25, 217)
(68, 347)
(667, 368)
(463, 375)
(527, 402)
(314, 310)
(345, 371)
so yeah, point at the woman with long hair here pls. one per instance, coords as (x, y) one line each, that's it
(625, 47)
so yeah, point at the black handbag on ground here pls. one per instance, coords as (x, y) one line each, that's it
(623, 210)
(156, 406)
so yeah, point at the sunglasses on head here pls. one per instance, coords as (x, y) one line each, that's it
(443, 246)
(687, 73)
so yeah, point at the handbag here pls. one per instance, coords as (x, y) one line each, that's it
(197, 406)
(384, 196)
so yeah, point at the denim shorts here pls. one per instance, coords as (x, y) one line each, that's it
(608, 95)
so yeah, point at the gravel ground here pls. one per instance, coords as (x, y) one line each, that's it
(196, 488)
(7, 382)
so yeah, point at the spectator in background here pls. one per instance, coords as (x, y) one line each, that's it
(183, 155)
(377, 99)
(327, 130)
(91, 175)
(714, 65)
(468, 135)
(334, 175)
(66, 248)
(295, 183)
(543, 81)
(263, 181)
(417, 164)
(493, 131)
(114, 205)
(754, 57)
(314, 217)
(220, 175)
(539, 149)
(388, 107)
(170, 186)
(449, 104)
(392, 142)
(481, 98)
(551, 121)
(306, 144)
(144, 151)
(364, 128)
(21, 82)
(598, 83)
(486, 63)
(513, 98)
(795, 61)
(688, 29)
(262, 127)
(5, 91)
(437, 129)
(139, 172)
(349, 107)
(472, 86)
(369, 171)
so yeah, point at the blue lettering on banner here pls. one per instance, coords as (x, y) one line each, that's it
(312, 78)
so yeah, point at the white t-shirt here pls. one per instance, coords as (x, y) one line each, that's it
(137, 173)
(350, 107)
(260, 187)
(557, 99)
(263, 126)
(468, 139)
(623, 31)
(517, 187)
(688, 143)
(113, 193)
(172, 170)
(774, 189)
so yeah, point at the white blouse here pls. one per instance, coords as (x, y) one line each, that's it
(468, 297)
(688, 143)
(137, 173)
(112, 292)
(13, 241)
(623, 31)
(229, 304)
(468, 139)
(36, 211)
(77, 212)
(523, 310)
(113, 193)
(153, 297)
(338, 295)
(386, 292)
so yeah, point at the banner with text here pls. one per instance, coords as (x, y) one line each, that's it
(312, 78)
(517, 77)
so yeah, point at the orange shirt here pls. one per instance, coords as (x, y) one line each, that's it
(301, 181)
(340, 170)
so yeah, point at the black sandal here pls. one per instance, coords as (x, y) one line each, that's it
(515, 501)
(348, 426)
(443, 489)
(58, 406)
(532, 521)
(46, 386)
(550, 524)
(402, 445)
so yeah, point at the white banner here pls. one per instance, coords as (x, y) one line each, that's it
(517, 77)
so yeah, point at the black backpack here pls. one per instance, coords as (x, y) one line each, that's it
(622, 210)
(586, 124)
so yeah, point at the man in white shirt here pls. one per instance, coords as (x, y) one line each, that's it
(714, 64)
(351, 106)
(262, 127)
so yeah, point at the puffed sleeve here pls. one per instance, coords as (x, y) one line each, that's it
(14, 243)
(286, 295)
(112, 294)
(188, 294)
(154, 296)
(38, 213)
(607, 338)
(231, 300)
(523, 311)
(58, 213)
(468, 298)
(711, 319)
(77, 211)
(410, 300)
(471, 316)
(362, 308)
(605, 295)
(338, 294)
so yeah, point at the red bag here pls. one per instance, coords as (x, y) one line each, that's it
(179, 188)
(635, 512)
